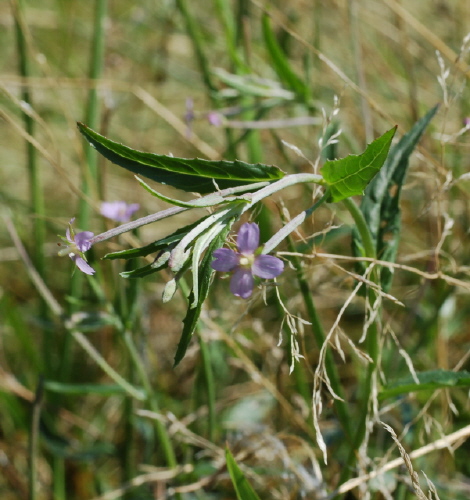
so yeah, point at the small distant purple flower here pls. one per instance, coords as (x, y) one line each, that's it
(245, 263)
(214, 118)
(78, 244)
(119, 211)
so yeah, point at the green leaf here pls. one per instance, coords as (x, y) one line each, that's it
(243, 488)
(101, 389)
(204, 279)
(349, 176)
(194, 175)
(430, 380)
(152, 268)
(156, 246)
(281, 64)
(380, 204)
(207, 201)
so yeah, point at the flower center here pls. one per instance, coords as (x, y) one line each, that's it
(246, 261)
(68, 249)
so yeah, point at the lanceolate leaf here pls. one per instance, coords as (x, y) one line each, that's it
(380, 204)
(243, 488)
(281, 64)
(194, 175)
(430, 380)
(349, 176)
(156, 246)
(204, 280)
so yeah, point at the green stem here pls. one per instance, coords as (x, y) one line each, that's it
(319, 335)
(35, 184)
(33, 440)
(198, 44)
(162, 433)
(372, 340)
(206, 368)
(361, 224)
(90, 178)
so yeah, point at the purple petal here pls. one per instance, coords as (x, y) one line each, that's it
(248, 238)
(68, 233)
(241, 283)
(82, 264)
(119, 211)
(225, 259)
(267, 266)
(82, 240)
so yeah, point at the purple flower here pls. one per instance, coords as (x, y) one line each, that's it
(214, 118)
(77, 245)
(245, 263)
(119, 211)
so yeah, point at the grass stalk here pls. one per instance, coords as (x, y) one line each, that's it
(163, 436)
(207, 370)
(34, 441)
(318, 332)
(372, 344)
(35, 183)
(198, 43)
(90, 180)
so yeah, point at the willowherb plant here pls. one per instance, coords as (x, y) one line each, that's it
(231, 189)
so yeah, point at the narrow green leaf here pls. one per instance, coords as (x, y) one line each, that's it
(380, 204)
(147, 270)
(204, 279)
(101, 389)
(430, 380)
(207, 201)
(156, 246)
(243, 488)
(281, 64)
(349, 176)
(194, 175)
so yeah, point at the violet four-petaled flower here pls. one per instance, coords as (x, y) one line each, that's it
(120, 211)
(78, 244)
(245, 263)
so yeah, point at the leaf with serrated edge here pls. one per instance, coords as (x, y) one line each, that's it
(349, 176)
(193, 175)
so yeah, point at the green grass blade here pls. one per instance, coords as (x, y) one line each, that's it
(429, 380)
(243, 488)
(281, 64)
(380, 204)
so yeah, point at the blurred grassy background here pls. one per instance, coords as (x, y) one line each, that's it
(379, 57)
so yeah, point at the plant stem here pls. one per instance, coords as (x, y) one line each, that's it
(319, 335)
(33, 440)
(90, 177)
(162, 433)
(206, 368)
(35, 184)
(372, 339)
